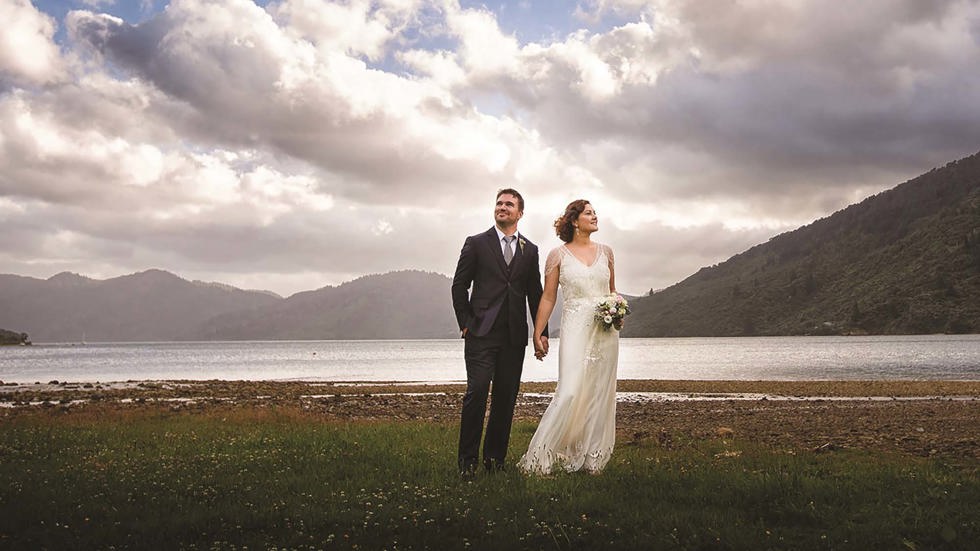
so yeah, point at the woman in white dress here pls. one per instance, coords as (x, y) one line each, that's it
(578, 430)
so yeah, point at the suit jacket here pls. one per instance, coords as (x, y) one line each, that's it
(481, 264)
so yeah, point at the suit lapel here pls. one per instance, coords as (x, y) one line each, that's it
(496, 249)
(518, 257)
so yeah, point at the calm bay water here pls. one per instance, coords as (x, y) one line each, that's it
(930, 357)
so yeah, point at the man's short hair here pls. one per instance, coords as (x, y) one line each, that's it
(515, 193)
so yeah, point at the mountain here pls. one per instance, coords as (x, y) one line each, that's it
(905, 261)
(147, 306)
(159, 306)
(398, 305)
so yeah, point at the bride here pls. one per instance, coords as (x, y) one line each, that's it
(578, 430)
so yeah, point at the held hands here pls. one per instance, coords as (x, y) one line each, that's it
(540, 347)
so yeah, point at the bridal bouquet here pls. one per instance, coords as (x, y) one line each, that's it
(612, 311)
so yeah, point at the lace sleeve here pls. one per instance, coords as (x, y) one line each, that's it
(553, 261)
(609, 256)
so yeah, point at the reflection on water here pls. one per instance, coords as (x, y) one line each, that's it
(929, 357)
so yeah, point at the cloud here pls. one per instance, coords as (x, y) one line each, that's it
(803, 70)
(28, 54)
(310, 141)
(357, 28)
(374, 132)
(713, 101)
(662, 254)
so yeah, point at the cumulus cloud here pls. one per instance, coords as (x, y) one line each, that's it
(376, 132)
(357, 28)
(310, 141)
(795, 84)
(28, 54)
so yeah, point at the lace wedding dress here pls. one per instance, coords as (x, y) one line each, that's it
(578, 430)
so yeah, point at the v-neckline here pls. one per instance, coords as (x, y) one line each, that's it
(594, 259)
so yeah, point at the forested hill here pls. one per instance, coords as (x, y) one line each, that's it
(905, 261)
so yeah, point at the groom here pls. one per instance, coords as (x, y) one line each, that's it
(502, 267)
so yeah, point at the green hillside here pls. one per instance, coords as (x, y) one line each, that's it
(905, 261)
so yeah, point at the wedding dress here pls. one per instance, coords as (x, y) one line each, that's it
(578, 430)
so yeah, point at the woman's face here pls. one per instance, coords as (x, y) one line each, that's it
(588, 220)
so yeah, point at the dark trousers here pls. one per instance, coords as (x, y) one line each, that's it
(490, 359)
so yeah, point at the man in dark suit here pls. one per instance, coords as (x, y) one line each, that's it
(502, 267)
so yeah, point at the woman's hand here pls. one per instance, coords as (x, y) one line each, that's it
(540, 347)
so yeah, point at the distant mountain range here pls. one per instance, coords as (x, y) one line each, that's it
(155, 305)
(905, 261)
(396, 305)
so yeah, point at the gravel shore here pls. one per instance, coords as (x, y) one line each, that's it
(922, 418)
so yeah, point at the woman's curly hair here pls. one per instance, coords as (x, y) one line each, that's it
(564, 225)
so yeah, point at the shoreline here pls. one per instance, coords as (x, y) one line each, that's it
(919, 418)
(791, 388)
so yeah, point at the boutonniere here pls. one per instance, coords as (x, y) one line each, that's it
(521, 243)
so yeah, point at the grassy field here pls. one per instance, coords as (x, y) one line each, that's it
(278, 477)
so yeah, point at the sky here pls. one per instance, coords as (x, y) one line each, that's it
(293, 144)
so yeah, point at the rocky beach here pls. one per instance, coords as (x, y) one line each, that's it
(921, 418)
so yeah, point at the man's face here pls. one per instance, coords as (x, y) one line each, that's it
(507, 212)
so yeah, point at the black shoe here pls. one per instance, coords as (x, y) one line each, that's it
(494, 465)
(467, 471)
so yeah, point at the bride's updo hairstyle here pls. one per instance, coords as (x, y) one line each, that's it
(565, 224)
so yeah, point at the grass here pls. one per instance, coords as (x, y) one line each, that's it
(235, 478)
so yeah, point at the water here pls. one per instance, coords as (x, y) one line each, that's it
(929, 357)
